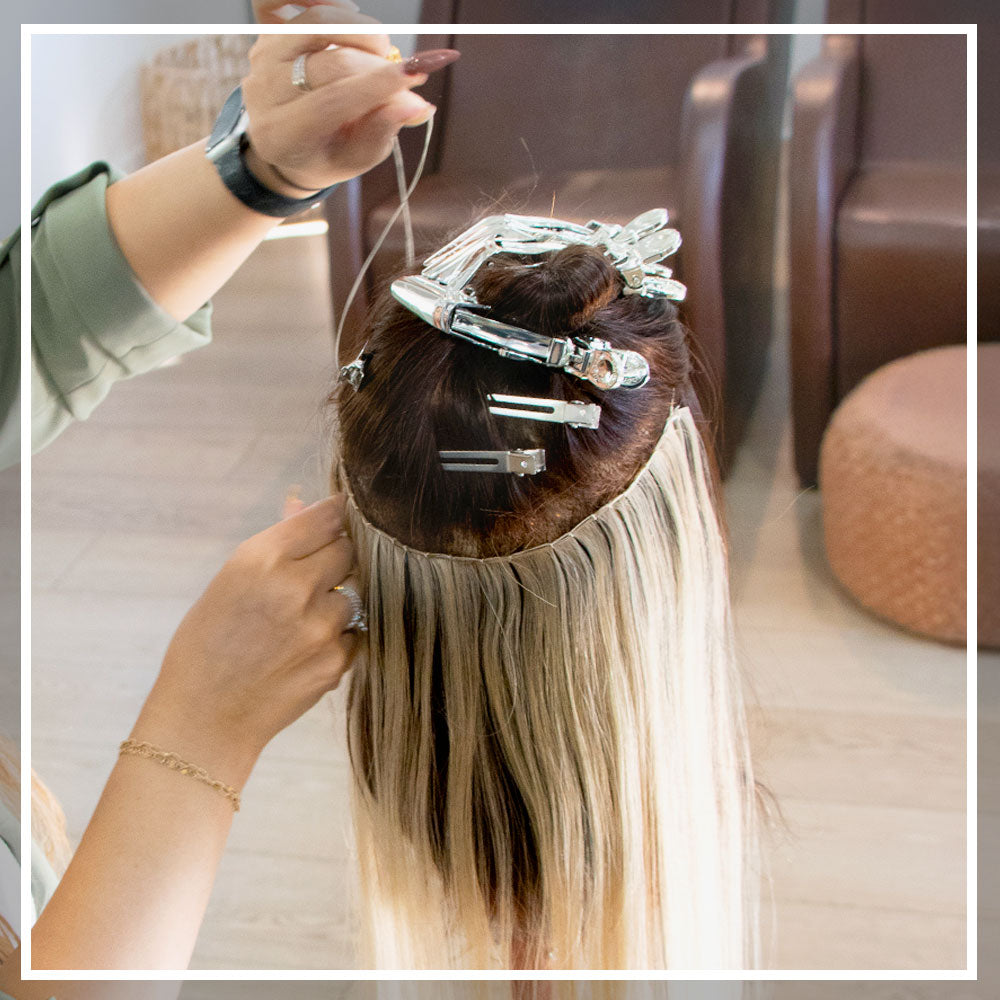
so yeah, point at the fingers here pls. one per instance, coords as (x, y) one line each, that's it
(352, 99)
(376, 130)
(286, 48)
(306, 531)
(350, 142)
(329, 566)
(333, 668)
(344, 123)
(322, 68)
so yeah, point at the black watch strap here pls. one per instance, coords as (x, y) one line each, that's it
(226, 148)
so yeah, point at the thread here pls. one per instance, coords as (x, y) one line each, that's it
(404, 209)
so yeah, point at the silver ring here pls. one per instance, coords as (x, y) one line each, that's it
(299, 73)
(359, 617)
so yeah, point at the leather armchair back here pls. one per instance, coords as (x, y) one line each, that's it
(878, 207)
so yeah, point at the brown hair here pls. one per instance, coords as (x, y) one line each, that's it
(426, 391)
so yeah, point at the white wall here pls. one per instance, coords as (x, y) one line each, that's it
(98, 116)
(74, 12)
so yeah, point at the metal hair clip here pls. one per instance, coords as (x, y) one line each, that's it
(440, 294)
(634, 248)
(592, 360)
(521, 463)
(556, 411)
(355, 371)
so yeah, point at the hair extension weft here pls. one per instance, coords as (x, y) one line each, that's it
(591, 804)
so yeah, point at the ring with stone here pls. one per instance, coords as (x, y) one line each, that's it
(359, 618)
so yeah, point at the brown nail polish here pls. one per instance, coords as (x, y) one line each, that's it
(429, 61)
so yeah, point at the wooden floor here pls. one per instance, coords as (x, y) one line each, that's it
(859, 728)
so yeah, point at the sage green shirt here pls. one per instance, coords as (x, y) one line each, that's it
(92, 322)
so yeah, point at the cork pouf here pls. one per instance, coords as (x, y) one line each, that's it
(893, 484)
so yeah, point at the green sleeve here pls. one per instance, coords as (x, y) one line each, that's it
(92, 322)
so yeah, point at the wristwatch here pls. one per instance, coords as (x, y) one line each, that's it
(227, 147)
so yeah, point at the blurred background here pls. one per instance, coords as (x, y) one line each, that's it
(819, 183)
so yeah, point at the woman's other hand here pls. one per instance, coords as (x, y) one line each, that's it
(264, 642)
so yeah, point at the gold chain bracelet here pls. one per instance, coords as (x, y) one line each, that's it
(137, 748)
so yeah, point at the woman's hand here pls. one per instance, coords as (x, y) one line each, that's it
(260, 647)
(264, 642)
(344, 124)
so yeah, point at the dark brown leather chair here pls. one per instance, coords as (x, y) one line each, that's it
(985, 14)
(597, 126)
(988, 150)
(878, 207)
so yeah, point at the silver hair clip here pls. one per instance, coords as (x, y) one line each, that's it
(521, 463)
(556, 411)
(635, 248)
(440, 294)
(592, 360)
(355, 371)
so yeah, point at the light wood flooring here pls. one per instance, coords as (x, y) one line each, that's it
(859, 729)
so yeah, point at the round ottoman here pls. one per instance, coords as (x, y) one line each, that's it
(893, 483)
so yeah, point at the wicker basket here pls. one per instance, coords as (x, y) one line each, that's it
(184, 87)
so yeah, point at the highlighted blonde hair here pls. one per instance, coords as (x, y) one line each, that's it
(594, 676)
(48, 826)
(549, 746)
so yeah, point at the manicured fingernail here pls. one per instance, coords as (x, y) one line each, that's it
(429, 61)
(421, 118)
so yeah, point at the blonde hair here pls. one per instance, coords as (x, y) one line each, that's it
(594, 804)
(553, 990)
(48, 826)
